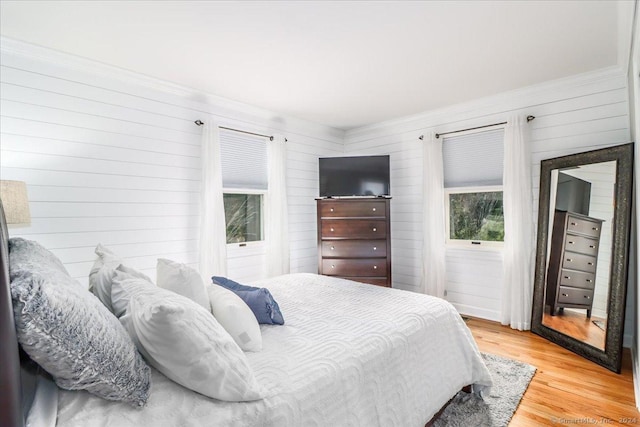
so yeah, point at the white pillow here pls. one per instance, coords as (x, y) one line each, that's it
(183, 280)
(103, 272)
(120, 295)
(185, 342)
(236, 317)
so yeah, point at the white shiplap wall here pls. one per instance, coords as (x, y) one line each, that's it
(576, 114)
(112, 157)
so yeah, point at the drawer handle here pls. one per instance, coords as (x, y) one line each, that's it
(587, 297)
(574, 223)
(567, 277)
(375, 248)
(333, 247)
(375, 229)
(571, 243)
(331, 228)
(592, 246)
(333, 266)
(589, 280)
(594, 228)
(568, 259)
(375, 267)
(565, 295)
(589, 263)
(374, 209)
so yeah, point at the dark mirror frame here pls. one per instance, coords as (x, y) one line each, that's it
(611, 357)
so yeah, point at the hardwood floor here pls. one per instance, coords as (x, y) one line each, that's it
(566, 389)
(578, 326)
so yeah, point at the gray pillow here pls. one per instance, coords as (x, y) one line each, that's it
(69, 332)
(28, 255)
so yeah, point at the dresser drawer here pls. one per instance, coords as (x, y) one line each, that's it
(354, 249)
(577, 279)
(581, 244)
(354, 267)
(575, 296)
(329, 209)
(583, 226)
(573, 261)
(353, 229)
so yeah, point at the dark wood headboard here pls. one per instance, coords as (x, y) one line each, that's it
(11, 411)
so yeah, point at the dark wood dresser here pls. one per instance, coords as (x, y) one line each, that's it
(573, 258)
(354, 239)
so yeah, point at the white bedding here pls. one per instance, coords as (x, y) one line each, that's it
(349, 354)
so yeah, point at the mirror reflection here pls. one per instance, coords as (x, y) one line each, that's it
(581, 215)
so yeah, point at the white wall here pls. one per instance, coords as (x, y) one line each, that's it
(573, 115)
(633, 297)
(112, 157)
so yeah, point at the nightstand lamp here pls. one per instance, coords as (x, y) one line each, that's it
(15, 203)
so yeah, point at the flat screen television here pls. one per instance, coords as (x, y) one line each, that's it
(359, 176)
(573, 194)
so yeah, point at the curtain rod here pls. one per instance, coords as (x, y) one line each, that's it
(438, 135)
(200, 123)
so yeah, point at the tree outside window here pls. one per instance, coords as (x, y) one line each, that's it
(243, 217)
(475, 216)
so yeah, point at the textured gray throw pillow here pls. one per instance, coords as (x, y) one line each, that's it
(69, 332)
(27, 256)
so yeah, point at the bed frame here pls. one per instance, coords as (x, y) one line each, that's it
(11, 411)
(31, 396)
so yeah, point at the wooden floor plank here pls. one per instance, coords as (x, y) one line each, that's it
(566, 389)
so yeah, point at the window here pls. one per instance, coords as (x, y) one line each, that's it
(243, 214)
(244, 182)
(472, 165)
(475, 217)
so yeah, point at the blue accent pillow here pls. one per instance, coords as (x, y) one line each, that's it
(259, 300)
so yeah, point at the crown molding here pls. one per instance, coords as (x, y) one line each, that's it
(198, 100)
(517, 99)
(79, 63)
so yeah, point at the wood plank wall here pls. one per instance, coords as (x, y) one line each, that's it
(576, 114)
(111, 159)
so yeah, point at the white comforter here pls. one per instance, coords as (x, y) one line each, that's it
(349, 354)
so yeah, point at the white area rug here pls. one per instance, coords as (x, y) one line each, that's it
(510, 380)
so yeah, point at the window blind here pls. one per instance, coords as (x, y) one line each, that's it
(474, 159)
(244, 161)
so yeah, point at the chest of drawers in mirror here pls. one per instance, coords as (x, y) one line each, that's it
(354, 239)
(573, 259)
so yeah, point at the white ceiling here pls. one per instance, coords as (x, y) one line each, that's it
(342, 64)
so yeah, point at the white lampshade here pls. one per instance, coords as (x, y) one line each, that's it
(15, 202)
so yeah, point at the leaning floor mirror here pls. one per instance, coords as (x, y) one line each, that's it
(584, 222)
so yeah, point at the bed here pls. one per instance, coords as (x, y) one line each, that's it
(349, 354)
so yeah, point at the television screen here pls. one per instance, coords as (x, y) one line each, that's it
(354, 176)
(573, 194)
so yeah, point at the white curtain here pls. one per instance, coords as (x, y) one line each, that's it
(213, 234)
(518, 227)
(433, 247)
(276, 212)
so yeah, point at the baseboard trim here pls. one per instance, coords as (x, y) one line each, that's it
(635, 365)
(477, 312)
(627, 341)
